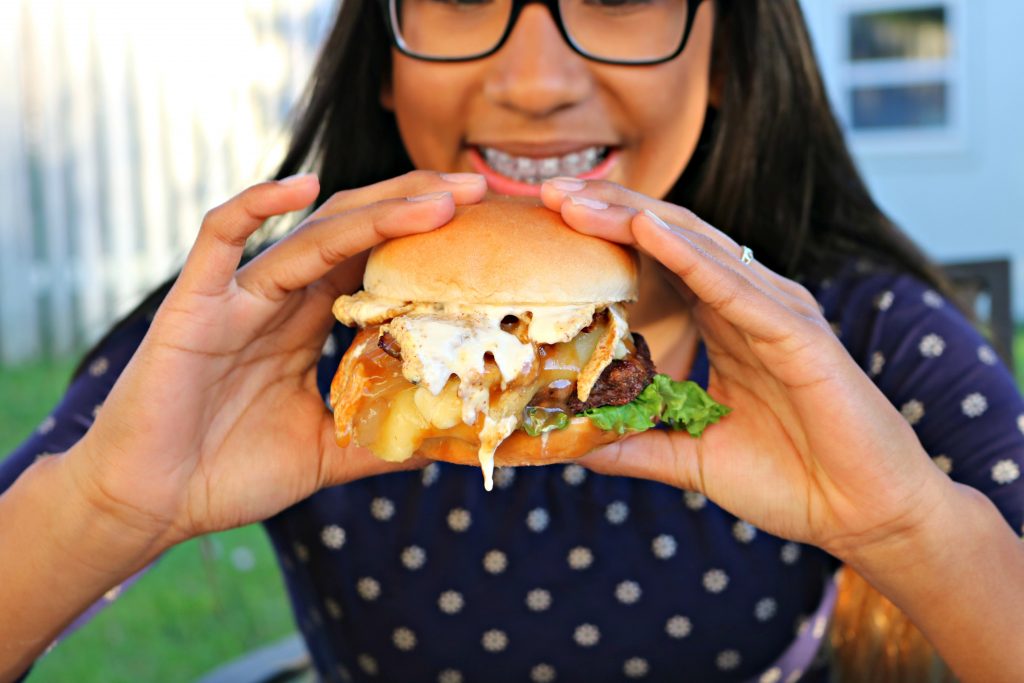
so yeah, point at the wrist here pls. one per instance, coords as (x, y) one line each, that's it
(958, 573)
(92, 519)
(62, 557)
(944, 526)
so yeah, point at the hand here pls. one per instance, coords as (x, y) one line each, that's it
(217, 420)
(812, 450)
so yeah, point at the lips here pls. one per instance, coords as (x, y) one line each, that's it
(521, 173)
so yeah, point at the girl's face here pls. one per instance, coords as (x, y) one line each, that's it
(536, 109)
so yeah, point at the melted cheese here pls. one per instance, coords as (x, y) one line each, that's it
(491, 436)
(442, 341)
(435, 347)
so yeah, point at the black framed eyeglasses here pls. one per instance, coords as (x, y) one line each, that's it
(625, 32)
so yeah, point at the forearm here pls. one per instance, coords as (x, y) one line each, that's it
(961, 580)
(58, 555)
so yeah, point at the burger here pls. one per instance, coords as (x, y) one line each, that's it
(501, 339)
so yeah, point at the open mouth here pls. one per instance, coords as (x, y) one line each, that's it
(523, 173)
(534, 170)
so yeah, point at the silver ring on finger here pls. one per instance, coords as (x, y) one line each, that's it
(747, 256)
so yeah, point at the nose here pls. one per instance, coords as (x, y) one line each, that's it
(535, 72)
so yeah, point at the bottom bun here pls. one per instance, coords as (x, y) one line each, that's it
(561, 445)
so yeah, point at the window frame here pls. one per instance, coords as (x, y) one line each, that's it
(951, 71)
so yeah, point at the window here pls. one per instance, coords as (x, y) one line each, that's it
(900, 78)
(899, 34)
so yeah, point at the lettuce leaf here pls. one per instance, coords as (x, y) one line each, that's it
(681, 405)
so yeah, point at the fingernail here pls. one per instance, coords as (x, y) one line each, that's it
(297, 179)
(567, 184)
(462, 178)
(656, 219)
(595, 204)
(430, 197)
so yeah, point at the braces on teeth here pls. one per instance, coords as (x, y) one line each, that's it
(535, 171)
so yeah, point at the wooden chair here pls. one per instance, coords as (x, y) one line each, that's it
(984, 287)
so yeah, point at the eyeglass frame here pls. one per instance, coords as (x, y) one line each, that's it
(391, 21)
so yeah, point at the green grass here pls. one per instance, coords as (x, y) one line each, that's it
(202, 604)
(1018, 355)
(193, 611)
(197, 608)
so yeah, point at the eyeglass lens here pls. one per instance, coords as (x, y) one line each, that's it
(615, 30)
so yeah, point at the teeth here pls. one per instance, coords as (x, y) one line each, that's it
(536, 171)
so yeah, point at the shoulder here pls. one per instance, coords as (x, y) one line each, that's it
(888, 319)
(82, 400)
(940, 372)
(105, 361)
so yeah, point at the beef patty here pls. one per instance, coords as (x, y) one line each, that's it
(620, 383)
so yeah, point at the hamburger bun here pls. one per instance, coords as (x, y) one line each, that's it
(562, 445)
(507, 286)
(503, 250)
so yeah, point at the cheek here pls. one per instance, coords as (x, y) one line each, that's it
(428, 108)
(670, 102)
(670, 115)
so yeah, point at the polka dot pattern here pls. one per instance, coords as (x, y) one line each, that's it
(450, 602)
(384, 567)
(333, 537)
(664, 547)
(414, 557)
(616, 512)
(586, 635)
(537, 520)
(678, 627)
(368, 588)
(580, 558)
(538, 600)
(715, 581)
(543, 673)
(495, 640)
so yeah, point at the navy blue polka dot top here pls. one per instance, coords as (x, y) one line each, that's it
(563, 574)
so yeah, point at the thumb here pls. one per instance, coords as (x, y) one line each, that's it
(673, 458)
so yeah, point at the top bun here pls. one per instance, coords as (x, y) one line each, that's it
(504, 250)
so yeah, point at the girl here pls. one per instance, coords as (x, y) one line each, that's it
(854, 394)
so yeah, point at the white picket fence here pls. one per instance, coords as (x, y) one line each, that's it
(121, 123)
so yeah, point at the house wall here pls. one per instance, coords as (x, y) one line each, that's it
(963, 198)
(120, 125)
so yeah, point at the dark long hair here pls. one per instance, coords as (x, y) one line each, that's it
(771, 168)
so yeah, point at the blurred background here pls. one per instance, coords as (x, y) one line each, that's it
(121, 123)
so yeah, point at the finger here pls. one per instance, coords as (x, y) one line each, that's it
(605, 210)
(555, 191)
(787, 291)
(318, 246)
(657, 455)
(727, 290)
(466, 188)
(615, 223)
(613, 226)
(610, 226)
(218, 248)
